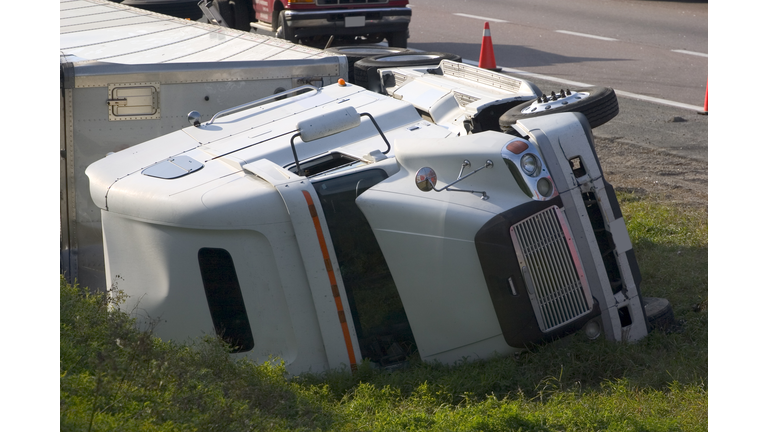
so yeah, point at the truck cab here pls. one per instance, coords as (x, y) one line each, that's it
(340, 225)
(371, 21)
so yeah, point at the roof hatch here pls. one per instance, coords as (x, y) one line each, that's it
(174, 167)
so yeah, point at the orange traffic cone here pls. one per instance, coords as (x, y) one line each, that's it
(706, 101)
(487, 59)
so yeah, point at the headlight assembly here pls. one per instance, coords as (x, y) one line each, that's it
(528, 169)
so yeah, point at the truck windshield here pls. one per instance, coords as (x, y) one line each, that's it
(383, 331)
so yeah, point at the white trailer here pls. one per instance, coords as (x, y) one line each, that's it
(342, 224)
(130, 75)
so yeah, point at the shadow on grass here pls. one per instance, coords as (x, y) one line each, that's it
(574, 363)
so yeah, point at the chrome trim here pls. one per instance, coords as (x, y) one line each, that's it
(530, 180)
(350, 12)
(323, 22)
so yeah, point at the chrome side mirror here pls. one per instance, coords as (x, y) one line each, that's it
(426, 179)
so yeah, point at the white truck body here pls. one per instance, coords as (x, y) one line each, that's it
(295, 229)
(130, 75)
(463, 98)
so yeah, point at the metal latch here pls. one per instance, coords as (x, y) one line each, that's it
(117, 102)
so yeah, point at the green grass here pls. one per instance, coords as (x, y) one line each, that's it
(114, 377)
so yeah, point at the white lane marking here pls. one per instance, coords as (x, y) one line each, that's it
(658, 101)
(480, 18)
(691, 53)
(585, 35)
(580, 84)
(535, 75)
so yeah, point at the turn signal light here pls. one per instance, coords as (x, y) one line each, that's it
(517, 147)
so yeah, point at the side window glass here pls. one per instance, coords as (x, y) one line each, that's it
(225, 300)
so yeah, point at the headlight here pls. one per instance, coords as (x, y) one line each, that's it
(530, 165)
(544, 186)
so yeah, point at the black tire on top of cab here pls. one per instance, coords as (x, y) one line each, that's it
(366, 70)
(600, 106)
(355, 53)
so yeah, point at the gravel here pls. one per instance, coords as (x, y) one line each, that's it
(645, 170)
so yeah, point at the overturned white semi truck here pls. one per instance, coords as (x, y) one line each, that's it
(342, 224)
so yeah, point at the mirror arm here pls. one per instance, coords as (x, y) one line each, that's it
(488, 164)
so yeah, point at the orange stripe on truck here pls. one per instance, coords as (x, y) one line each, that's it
(332, 280)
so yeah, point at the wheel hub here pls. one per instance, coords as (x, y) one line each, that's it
(554, 100)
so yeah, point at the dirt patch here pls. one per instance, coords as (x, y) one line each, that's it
(650, 171)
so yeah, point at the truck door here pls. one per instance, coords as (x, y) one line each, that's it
(384, 334)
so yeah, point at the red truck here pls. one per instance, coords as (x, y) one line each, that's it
(369, 21)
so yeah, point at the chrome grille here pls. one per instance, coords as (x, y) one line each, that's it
(552, 271)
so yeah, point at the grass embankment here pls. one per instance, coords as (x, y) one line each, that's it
(116, 378)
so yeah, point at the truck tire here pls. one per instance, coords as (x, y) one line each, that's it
(355, 53)
(398, 39)
(598, 104)
(283, 31)
(659, 313)
(366, 70)
(242, 14)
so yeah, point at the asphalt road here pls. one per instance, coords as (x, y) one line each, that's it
(656, 49)
(653, 53)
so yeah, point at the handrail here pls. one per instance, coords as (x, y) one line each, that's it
(262, 100)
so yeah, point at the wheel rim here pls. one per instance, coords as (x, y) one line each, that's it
(547, 103)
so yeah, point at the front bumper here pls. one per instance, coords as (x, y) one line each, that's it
(542, 291)
(348, 21)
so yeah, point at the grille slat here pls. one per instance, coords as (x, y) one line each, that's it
(559, 293)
